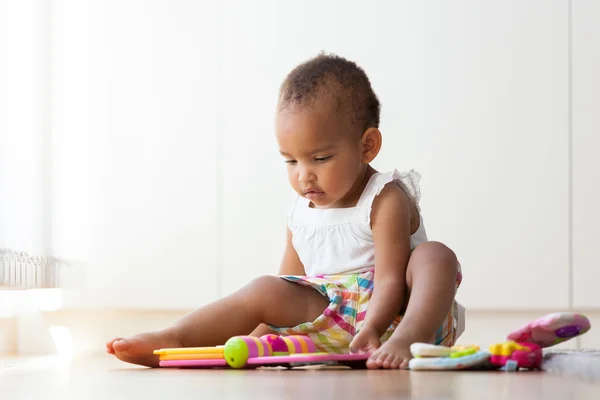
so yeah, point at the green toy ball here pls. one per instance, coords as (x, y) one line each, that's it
(236, 352)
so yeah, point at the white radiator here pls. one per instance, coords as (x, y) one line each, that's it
(29, 285)
(20, 270)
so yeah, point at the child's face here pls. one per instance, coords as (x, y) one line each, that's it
(323, 158)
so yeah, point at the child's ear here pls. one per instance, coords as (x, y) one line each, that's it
(370, 144)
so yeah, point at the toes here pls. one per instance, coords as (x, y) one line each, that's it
(372, 364)
(386, 359)
(139, 349)
(397, 361)
(109, 345)
(380, 360)
(379, 356)
(121, 345)
(404, 364)
(389, 360)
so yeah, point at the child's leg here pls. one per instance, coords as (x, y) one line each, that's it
(431, 282)
(268, 299)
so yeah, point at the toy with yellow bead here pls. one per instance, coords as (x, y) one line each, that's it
(251, 352)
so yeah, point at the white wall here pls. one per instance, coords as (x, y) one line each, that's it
(135, 151)
(167, 190)
(586, 142)
(24, 121)
(496, 185)
(475, 97)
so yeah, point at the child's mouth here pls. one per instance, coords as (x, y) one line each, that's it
(314, 195)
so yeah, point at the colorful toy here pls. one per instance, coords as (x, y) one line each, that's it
(250, 351)
(419, 350)
(552, 329)
(431, 350)
(516, 355)
(432, 357)
(522, 350)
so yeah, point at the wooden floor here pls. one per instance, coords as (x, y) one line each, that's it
(105, 378)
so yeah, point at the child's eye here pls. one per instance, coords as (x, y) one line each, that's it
(321, 159)
(290, 162)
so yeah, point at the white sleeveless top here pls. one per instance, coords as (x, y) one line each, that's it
(339, 240)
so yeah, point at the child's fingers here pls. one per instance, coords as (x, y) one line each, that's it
(358, 344)
(374, 343)
(364, 344)
(354, 347)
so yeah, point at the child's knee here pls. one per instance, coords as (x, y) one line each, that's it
(431, 257)
(265, 284)
(267, 289)
(276, 300)
(435, 253)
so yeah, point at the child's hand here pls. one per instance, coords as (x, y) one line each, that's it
(366, 340)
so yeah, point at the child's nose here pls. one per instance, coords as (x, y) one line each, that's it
(306, 176)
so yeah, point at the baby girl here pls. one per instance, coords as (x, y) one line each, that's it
(358, 272)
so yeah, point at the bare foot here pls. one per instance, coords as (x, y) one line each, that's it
(394, 354)
(139, 349)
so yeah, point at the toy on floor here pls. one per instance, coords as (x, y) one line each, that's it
(523, 348)
(250, 351)
(514, 355)
(432, 357)
(552, 329)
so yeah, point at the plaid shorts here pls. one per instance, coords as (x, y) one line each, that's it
(349, 296)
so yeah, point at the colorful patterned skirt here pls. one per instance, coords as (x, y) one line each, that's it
(349, 297)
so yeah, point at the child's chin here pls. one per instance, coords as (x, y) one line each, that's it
(322, 203)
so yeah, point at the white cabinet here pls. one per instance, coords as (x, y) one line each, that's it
(586, 144)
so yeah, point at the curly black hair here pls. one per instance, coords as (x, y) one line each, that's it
(328, 76)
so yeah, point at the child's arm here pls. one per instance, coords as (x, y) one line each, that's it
(290, 265)
(390, 224)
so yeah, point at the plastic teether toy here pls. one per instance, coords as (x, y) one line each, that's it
(429, 350)
(551, 329)
(250, 351)
(431, 357)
